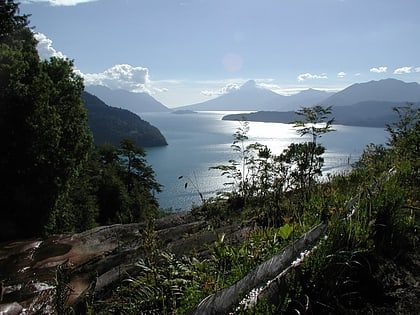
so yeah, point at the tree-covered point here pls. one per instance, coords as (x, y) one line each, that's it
(111, 125)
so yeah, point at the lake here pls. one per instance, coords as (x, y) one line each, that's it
(197, 141)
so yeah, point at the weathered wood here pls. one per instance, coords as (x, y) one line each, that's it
(224, 301)
(96, 259)
(275, 290)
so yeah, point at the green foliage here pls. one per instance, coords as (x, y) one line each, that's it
(308, 156)
(42, 126)
(260, 178)
(54, 180)
(159, 284)
(285, 231)
(315, 122)
(405, 143)
(366, 218)
(114, 186)
(340, 275)
(236, 170)
(305, 162)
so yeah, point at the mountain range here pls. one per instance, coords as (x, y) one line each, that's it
(110, 125)
(387, 90)
(252, 97)
(362, 104)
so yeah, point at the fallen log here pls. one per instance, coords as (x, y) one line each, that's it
(225, 300)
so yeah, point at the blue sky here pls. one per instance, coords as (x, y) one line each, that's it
(187, 51)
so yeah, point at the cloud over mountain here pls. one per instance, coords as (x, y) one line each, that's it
(306, 76)
(123, 76)
(224, 90)
(402, 70)
(378, 69)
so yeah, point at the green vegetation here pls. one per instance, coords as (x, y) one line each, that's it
(370, 213)
(43, 130)
(52, 177)
(115, 185)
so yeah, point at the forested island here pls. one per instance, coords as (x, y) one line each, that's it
(82, 232)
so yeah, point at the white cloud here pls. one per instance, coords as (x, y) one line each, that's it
(45, 48)
(61, 2)
(306, 76)
(123, 76)
(224, 90)
(403, 70)
(341, 74)
(378, 69)
(417, 69)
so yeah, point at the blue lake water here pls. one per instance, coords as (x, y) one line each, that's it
(201, 140)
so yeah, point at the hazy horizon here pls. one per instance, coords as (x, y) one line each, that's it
(189, 51)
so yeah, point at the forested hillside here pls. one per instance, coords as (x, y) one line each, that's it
(53, 177)
(111, 125)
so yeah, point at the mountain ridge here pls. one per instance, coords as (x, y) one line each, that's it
(110, 125)
(367, 104)
(387, 90)
(134, 102)
(252, 97)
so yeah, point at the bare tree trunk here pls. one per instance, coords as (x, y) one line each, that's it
(225, 300)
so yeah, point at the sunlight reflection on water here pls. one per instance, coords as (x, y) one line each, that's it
(199, 141)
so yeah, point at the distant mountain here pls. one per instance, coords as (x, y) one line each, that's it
(361, 104)
(387, 90)
(134, 102)
(250, 97)
(111, 125)
(367, 113)
(307, 98)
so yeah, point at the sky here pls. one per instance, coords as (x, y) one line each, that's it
(188, 51)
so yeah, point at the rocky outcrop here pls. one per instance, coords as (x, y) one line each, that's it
(94, 260)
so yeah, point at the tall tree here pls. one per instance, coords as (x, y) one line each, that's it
(43, 127)
(307, 156)
(126, 184)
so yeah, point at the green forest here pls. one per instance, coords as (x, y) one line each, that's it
(55, 180)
